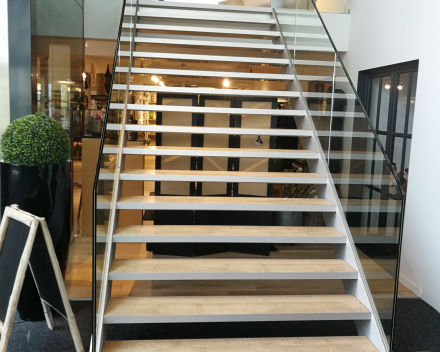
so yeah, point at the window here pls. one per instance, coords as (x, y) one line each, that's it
(389, 94)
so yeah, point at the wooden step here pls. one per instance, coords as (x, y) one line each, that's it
(231, 269)
(213, 130)
(199, 6)
(192, 29)
(206, 43)
(200, 15)
(337, 113)
(217, 203)
(209, 91)
(207, 110)
(203, 73)
(371, 205)
(137, 310)
(215, 152)
(214, 176)
(221, 234)
(321, 78)
(279, 344)
(216, 58)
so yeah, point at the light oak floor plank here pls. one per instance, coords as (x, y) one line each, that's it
(300, 344)
(197, 268)
(234, 308)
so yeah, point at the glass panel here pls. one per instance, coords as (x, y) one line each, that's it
(370, 195)
(397, 154)
(383, 140)
(384, 103)
(374, 99)
(406, 165)
(105, 188)
(412, 102)
(402, 102)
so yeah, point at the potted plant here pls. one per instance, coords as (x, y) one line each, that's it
(35, 174)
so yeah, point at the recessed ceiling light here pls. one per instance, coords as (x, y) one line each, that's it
(161, 83)
(399, 87)
(155, 79)
(387, 86)
(226, 83)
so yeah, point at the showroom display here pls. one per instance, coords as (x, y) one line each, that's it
(36, 175)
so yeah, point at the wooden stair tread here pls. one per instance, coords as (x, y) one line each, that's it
(218, 234)
(224, 200)
(214, 152)
(212, 130)
(217, 203)
(234, 308)
(208, 91)
(291, 344)
(218, 269)
(214, 176)
(205, 73)
(220, 173)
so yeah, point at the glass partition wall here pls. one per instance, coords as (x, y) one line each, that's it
(371, 196)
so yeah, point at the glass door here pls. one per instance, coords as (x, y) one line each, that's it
(391, 98)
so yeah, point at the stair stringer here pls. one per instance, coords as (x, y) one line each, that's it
(372, 328)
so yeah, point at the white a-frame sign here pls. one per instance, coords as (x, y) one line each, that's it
(25, 240)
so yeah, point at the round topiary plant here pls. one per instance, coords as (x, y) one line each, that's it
(35, 139)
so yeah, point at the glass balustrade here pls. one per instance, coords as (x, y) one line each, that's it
(371, 196)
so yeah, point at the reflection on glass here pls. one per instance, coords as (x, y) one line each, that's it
(383, 140)
(374, 99)
(402, 102)
(412, 102)
(384, 103)
(397, 154)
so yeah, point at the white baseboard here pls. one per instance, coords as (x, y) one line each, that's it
(410, 285)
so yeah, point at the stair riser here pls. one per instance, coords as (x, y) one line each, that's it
(223, 239)
(221, 207)
(236, 318)
(233, 276)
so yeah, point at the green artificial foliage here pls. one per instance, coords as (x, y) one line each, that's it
(35, 139)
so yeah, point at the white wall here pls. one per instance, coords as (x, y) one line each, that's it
(4, 67)
(394, 31)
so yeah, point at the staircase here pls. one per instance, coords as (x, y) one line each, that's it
(235, 93)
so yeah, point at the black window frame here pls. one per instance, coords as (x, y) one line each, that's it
(365, 84)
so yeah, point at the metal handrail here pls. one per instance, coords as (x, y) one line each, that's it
(95, 184)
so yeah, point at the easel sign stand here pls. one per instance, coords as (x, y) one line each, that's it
(23, 242)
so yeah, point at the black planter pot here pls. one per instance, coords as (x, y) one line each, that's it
(45, 191)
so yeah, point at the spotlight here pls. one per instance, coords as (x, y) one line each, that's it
(226, 83)
(387, 86)
(155, 79)
(399, 87)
